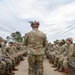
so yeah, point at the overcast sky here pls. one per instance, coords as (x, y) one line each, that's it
(54, 16)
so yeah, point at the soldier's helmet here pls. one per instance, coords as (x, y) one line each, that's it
(1, 39)
(57, 41)
(11, 42)
(60, 41)
(5, 41)
(34, 24)
(70, 39)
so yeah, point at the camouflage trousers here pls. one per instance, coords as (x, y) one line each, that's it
(2, 67)
(38, 59)
(13, 61)
(65, 63)
(8, 63)
(50, 57)
(62, 63)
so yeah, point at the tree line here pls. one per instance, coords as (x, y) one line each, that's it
(15, 37)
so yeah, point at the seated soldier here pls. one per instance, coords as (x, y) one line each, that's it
(2, 63)
(70, 55)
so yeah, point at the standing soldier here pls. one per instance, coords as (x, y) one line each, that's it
(35, 42)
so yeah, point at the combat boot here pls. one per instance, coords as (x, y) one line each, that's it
(10, 71)
(2, 74)
(22, 59)
(66, 71)
(51, 62)
(14, 69)
(56, 69)
(60, 70)
(54, 66)
(65, 74)
(7, 72)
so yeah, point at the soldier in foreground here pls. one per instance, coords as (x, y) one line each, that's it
(2, 63)
(70, 55)
(35, 41)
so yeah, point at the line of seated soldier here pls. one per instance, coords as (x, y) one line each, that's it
(61, 55)
(10, 56)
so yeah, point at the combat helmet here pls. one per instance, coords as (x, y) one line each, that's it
(70, 39)
(1, 39)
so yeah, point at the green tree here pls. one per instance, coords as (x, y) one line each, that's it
(7, 38)
(16, 36)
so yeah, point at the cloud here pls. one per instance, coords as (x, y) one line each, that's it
(54, 15)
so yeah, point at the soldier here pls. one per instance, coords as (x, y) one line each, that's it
(59, 56)
(2, 63)
(48, 49)
(20, 51)
(24, 50)
(11, 55)
(7, 60)
(70, 55)
(16, 53)
(59, 52)
(54, 52)
(35, 41)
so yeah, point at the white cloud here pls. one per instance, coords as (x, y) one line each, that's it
(4, 34)
(54, 15)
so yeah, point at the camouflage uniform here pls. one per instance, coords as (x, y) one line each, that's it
(24, 50)
(35, 42)
(70, 55)
(61, 58)
(11, 55)
(8, 61)
(21, 52)
(2, 63)
(48, 50)
(59, 52)
(16, 54)
(54, 52)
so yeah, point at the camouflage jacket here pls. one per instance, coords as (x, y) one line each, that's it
(35, 42)
(0, 54)
(71, 54)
